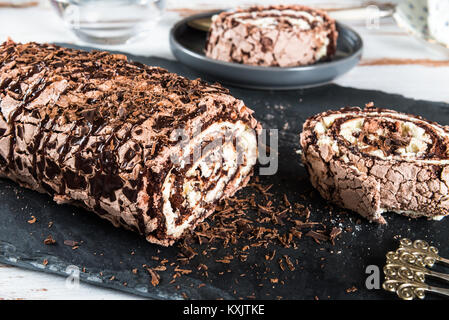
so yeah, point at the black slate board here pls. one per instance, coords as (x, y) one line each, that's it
(109, 250)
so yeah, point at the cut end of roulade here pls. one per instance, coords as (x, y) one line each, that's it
(376, 160)
(191, 190)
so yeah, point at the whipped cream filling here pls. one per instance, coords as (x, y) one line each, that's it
(265, 18)
(322, 50)
(418, 138)
(216, 171)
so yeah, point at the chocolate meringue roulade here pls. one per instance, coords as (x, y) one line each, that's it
(375, 160)
(121, 138)
(283, 36)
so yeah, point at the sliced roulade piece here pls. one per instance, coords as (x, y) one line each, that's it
(377, 160)
(283, 36)
(144, 148)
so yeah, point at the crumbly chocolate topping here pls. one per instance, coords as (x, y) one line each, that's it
(236, 36)
(93, 129)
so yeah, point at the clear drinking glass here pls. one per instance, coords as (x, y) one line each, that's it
(109, 21)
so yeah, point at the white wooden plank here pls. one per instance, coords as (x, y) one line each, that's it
(17, 283)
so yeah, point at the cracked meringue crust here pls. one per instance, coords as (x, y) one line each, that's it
(95, 130)
(377, 160)
(283, 36)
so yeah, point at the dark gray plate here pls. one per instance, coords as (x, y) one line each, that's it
(187, 45)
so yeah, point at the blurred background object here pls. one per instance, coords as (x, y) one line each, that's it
(109, 21)
(18, 4)
(391, 57)
(426, 19)
(438, 20)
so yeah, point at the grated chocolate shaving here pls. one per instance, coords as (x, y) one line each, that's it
(49, 240)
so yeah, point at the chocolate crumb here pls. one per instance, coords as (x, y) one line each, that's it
(160, 268)
(71, 243)
(289, 263)
(154, 277)
(49, 240)
(183, 271)
(318, 237)
(352, 289)
(334, 233)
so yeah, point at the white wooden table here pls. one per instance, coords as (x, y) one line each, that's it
(393, 62)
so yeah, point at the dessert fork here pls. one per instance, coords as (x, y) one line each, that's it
(406, 270)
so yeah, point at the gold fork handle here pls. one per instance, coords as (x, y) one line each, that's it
(444, 260)
(438, 275)
(442, 291)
